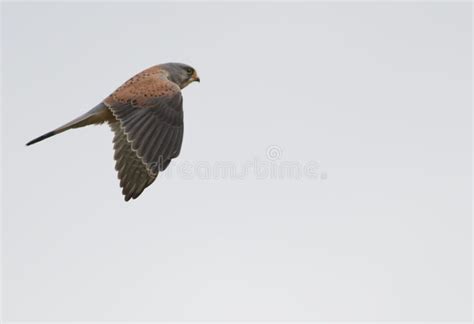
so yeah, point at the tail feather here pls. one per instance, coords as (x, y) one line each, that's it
(97, 115)
(42, 137)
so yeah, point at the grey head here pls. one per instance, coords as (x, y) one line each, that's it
(181, 74)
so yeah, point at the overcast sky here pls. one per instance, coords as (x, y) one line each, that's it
(374, 97)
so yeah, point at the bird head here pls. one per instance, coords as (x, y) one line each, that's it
(180, 73)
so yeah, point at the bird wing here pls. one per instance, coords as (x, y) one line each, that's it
(148, 131)
(132, 172)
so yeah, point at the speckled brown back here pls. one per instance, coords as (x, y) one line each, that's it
(143, 87)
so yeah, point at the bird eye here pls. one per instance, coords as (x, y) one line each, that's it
(189, 71)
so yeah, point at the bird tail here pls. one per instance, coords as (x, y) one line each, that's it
(96, 115)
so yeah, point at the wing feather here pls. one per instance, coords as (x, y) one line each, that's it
(133, 174)
(148, 134)
(153, 144)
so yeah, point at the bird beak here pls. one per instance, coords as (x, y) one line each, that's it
(195, 77)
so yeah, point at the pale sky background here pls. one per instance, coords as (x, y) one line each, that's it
(379, 94)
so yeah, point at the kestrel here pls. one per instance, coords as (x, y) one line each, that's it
(146, 116)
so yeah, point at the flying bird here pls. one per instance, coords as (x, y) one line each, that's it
(146, 116)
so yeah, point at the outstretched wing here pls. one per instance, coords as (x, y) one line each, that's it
(148, 130)
(132, 172)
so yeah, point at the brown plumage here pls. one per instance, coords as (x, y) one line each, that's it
(146, 116)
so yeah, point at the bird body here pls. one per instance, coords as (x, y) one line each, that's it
(146, 116)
